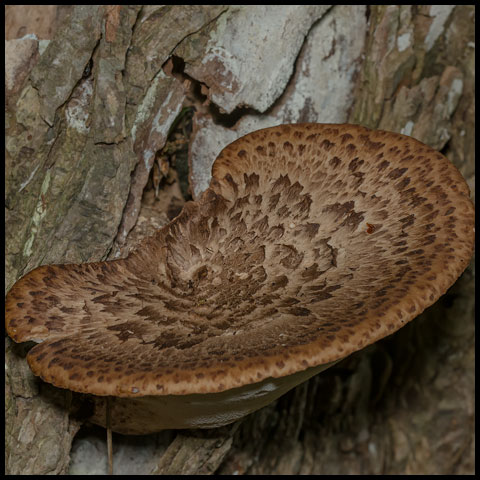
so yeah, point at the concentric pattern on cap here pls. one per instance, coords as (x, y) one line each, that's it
(311, 242)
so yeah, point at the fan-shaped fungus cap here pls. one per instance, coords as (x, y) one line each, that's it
(312, 242)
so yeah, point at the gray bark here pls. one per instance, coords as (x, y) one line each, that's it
(93, 116)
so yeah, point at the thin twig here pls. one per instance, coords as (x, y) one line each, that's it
(109, 436)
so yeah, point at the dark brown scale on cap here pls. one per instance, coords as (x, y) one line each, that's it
(312, 242)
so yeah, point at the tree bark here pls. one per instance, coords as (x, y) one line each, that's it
(120, 92)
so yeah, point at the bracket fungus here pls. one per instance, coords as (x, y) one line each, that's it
(311, 242)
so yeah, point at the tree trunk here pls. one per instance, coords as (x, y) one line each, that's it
(98, 124)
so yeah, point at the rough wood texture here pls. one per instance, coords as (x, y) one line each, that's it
(42, 21)
(404, 405)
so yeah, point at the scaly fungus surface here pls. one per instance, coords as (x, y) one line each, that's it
(312, 242)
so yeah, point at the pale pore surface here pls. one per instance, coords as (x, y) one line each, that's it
(153, 413)
(312, 242)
